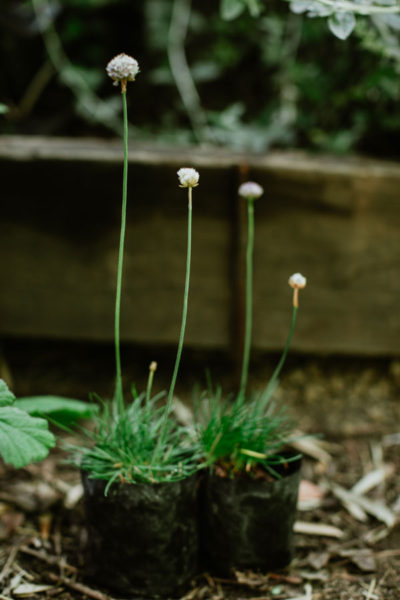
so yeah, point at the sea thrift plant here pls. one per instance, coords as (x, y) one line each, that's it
(137, 441)
(250, 191)
(188, 178)
(297, 281)
(238, 435)
(121, 69)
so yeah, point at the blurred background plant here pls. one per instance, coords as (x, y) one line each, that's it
(245, 74)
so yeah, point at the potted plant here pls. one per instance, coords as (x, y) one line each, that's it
(140, 471)
(250, 492)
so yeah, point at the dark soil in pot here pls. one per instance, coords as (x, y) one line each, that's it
(142, 538)
(248, 522)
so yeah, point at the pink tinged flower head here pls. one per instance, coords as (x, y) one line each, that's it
(250, 190)
(122, 68)
(188, 178)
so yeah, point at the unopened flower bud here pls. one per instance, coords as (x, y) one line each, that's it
(122, 68)
(297, 282)
(153, 366)
(188, 177)
(250, 190)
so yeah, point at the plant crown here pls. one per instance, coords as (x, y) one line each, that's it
(240, 434)
(124, 446)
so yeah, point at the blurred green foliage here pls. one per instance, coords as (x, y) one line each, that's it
(260, 77)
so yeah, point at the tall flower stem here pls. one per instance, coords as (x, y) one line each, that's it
(118, 385)
(281, 362)
(297, 282)
(183, 325)
(249, 297)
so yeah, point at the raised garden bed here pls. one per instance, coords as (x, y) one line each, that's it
(335, 219)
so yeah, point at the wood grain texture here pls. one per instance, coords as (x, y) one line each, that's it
(336, 221)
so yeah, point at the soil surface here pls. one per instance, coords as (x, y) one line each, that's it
(348, 522)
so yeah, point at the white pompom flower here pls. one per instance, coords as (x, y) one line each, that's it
(297, 281)
(122, 68)
(250, 190)
(188, 178)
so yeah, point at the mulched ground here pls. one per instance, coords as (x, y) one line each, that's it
(43, 535)
(348, 523)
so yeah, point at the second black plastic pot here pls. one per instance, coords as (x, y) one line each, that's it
(142, 538)
(248, 523)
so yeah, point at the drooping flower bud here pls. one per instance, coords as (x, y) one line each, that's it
(297, 282)
(122, 68)
(250, 190)
(188, 177)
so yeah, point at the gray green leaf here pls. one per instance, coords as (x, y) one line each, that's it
(342, 24)
(62, 410)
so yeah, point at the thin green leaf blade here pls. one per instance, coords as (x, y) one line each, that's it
(23, 439)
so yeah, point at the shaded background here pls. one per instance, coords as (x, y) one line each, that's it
(256, 85)
(278, 80)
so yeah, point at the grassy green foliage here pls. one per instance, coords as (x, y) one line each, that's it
(239, 433)
(23, 438)
(124, 445)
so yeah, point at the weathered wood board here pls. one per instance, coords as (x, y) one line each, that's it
(335, 220)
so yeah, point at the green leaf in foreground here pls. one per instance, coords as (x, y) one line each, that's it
(62, 410)
(6, 396)
(23, 439)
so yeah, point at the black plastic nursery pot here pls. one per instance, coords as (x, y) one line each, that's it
(142, 538)
(247, 522)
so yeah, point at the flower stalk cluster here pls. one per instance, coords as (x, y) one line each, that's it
(139, 442)
(240, 435)
(250, 191)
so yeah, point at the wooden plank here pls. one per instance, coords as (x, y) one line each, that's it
(335, 220)
(59, 243)
(342, 232)
(291, 163)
